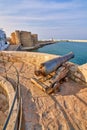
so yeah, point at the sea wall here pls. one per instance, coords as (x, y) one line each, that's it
(76, 72)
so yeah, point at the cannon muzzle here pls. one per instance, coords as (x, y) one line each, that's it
(51, 65)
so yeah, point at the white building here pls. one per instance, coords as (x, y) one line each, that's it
(3, 42)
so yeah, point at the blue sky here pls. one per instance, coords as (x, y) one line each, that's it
(58, 19)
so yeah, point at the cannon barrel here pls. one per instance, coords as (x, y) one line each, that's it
(51, 65)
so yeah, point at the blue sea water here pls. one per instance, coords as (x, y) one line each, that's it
(62, 48)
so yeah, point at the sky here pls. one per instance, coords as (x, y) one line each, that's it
(57, 19)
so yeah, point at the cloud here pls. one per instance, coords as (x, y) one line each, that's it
(32, 6)
(43, 16)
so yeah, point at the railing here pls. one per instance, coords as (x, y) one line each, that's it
(17, 97)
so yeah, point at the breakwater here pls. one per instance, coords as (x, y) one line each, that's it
(37, 46)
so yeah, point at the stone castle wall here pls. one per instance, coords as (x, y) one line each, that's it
(12, 39)
(34, 38)
(17, 37)
(26, 39)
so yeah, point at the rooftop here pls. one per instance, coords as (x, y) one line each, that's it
(65, 110)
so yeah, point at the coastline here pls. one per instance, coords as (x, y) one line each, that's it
(71, 40)
(37, 46)
(44, 43)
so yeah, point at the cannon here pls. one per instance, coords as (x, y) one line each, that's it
(50, 73)
(51, 65)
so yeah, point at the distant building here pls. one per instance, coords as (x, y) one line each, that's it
(26, 39)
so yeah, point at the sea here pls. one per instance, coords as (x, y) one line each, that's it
(62, 48)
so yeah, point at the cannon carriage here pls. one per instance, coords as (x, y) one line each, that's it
(51, 73)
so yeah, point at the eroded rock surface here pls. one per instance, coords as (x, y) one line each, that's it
(64, 110)
(3, 109)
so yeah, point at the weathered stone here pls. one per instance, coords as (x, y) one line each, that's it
(13, 39)
(78, 75)
(10, 93)
(62, 108)
(37, 127)
(83, 70)
(3, 118)
(77, 80)
(34, 38)
(73, 68)
(17, 37)
(24, 38)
